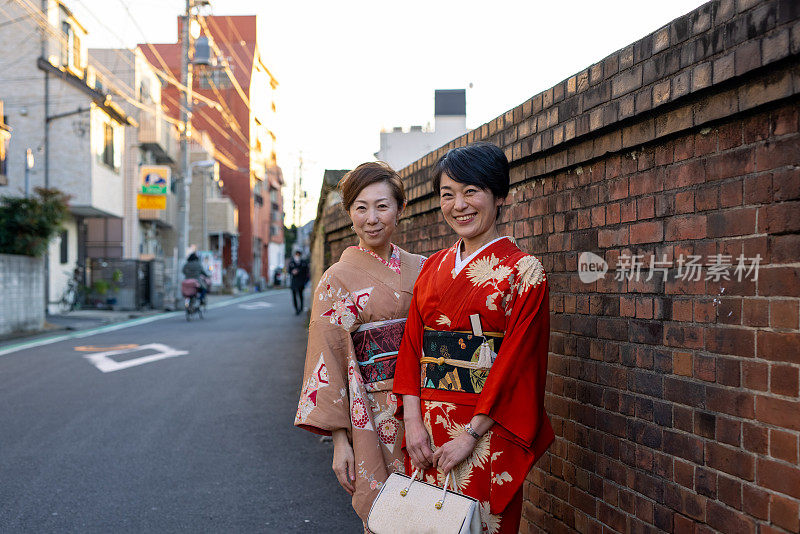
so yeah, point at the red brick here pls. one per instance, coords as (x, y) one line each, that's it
(705, 311)
(735, 462)
(755, 312)
(755, 438)
(682, 363)
(784, 314)
(758, 189)
(786, 184)
(685, 174)
(684, 473)
(777, 153)
(627, 211)
(784, 380)
(731, 402)
(735, 341)
(778, 412)
(707, 198)
(754, 375)
(729, 431)
(684, 446)
(645, 208)
(734, 222)
(681, 336)
(612, 238)
(779, 347)
(646, 232)
(783, 248)
(612, 213)
(725, 520)
(784, 513)
(685, 227)
(783, 446)
(730, 194)
(780, 218)
(785, 120)
(729, 135)
(730, 492)
(705, 368)
(756, 128)
(755, 501)
(729, 372)
(618, 189)
(685, 501)
(729, 164)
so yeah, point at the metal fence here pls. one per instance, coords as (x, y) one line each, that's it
(125, 284)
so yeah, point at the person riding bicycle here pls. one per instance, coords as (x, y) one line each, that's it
(193, 270)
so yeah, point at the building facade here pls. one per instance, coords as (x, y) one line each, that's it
(58, 108)
(241, 128)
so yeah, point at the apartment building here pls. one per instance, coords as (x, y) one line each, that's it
(243, 132)
(59, 107)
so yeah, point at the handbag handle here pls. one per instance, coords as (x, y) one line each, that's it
(447, 482)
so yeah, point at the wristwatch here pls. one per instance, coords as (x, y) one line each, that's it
(471, 431)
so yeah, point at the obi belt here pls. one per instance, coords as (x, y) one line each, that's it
(376, 346)
(457, 361)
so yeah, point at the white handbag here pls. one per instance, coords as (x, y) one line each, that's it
(406, 505)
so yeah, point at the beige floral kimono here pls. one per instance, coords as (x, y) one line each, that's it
(357, 321)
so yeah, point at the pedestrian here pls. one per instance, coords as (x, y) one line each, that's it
(298, 268)
(357, 320)
(472, 365)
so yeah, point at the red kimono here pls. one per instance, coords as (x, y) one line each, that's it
(508, 290)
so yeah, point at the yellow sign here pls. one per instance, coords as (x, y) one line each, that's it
(151, 202)
(155, 179)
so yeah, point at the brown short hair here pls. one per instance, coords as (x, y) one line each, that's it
(370, 173)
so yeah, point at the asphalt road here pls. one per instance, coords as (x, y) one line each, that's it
(194, 442)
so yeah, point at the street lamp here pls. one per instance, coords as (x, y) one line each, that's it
(28, 167)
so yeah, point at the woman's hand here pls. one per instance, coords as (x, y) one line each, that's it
(453, 452)
(344, 464)
(418, 444)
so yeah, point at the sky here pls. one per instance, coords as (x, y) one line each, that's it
(350, 68)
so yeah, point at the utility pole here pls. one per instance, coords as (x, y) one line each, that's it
(186, 119)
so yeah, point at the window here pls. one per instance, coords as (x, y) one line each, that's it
(71, 47)
(108, 145)
(258, 199)
(64, 247)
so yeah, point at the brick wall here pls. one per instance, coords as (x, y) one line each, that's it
(675, 401)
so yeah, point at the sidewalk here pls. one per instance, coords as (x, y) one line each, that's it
(90, 318)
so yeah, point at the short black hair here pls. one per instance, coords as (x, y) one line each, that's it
(481, 164)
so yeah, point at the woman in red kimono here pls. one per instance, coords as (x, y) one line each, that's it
(357, 321)
(472, 365)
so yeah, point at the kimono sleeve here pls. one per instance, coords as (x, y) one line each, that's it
(324, 403)
(513, 395)
(407, 369)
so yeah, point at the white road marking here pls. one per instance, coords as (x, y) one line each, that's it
(104, 362)
(260, 305)
(9, 349)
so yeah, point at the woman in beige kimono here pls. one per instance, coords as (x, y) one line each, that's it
(357, 320)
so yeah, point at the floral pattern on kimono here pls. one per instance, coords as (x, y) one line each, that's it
(357, 290)
(508, 290)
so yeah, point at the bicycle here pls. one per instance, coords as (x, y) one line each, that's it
(69, 298)
(192, 303)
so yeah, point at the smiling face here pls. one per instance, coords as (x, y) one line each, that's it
(375, 214)
(470, 211)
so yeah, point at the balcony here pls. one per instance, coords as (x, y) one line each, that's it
(155, 134)
(221, 216)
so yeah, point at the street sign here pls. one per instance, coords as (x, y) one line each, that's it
(151, 202)
(155, 179)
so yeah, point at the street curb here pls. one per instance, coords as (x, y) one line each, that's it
(123, 324)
